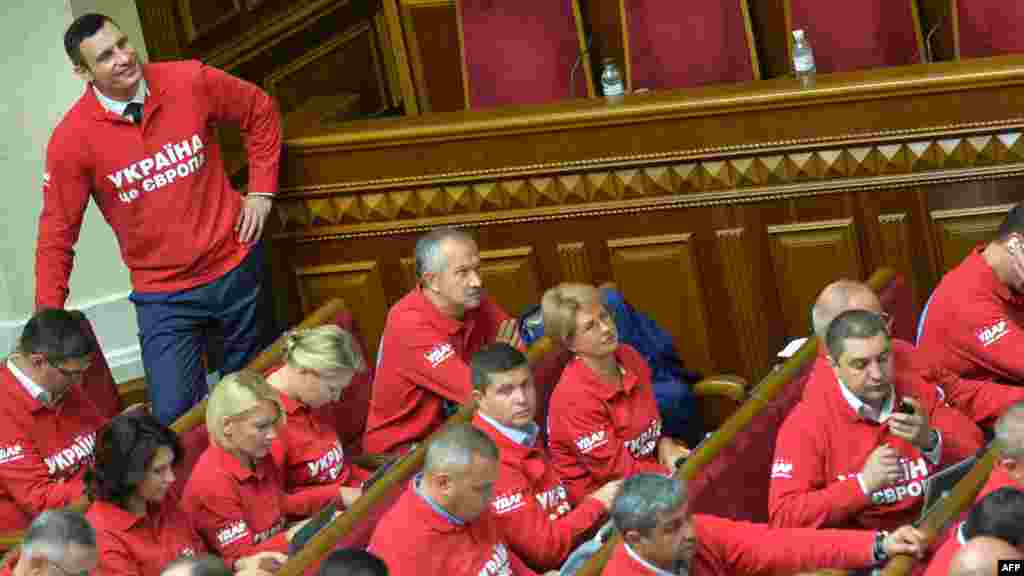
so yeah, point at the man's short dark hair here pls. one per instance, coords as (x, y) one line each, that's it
(492, 359)
(57, 334)
(852, 324)
(999, 515)
(85, 26)
(52, 531)
(1013, 223)
(205, 565)
(125, 446)
(352, 562)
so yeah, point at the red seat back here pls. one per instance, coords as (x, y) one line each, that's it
(520, 52)
(898, 301)
(546, 373)
(860, 34)
(681, 44)
(98, 381)
(193, 443)
(735, 484)
(990, 27)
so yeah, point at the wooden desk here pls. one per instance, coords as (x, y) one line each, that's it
(722, 211)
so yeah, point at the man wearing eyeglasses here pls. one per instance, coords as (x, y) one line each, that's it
(57, 543)
(47, 422)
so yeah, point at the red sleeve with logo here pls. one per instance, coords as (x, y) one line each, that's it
(233, 99)
(986, 334)
(981, 400)
(733, 548)
(801, 495)
(26, 477)
(541, 538)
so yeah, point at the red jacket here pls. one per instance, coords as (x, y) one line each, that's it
(131, 545)
(43, 452)
(412, 538)
(975, 324)
(238, 511)
(597, 433)
(311, 458)
(161, 186)
(422, 361)
(940, 561)
(531, 506)
(823, 444)
(730, 548)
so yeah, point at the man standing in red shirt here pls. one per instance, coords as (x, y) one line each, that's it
(429, 337)
(530, 504)
(856, 451)
(47, 422)
(660, 536)
(973, 324)
(441, 524)
(141, 143)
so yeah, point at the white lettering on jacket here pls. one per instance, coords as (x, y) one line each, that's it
(555, 502)
(66, 461)
(269, 532)
(992, 334)
(591, 440)
(506, 503)
(11, 453)
(910, 485)
(174, 161)
(232, 532)
(328, 466)
(439, 354)
(782, 469)
(498, 564)
(647, 441)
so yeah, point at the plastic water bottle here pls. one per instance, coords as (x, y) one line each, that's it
(803, 59)
(611, 79)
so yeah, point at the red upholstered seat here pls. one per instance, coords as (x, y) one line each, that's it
(519, 52)
(989, 27)
(735, 484)
(193, 443)
(860, 34)
(898, 301)
(680, 44)
(546, 373)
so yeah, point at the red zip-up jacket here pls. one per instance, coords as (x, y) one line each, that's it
(413, 538)
(310, 456)
(160, 185)
(975, 324)
(237, 510)
(43, 451)
(131, 545)
(531, 507)
(422, 361)
(597, 433)
(823, 444)
(729, 548)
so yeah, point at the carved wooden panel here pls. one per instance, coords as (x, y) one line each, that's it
(660, 276)
(741, 286)
(897, 244)
(201, 17)
(574, 263)
(432, 36)
(510, 277)
(359, 284)
(408, 277)
(957, 232)
(806, 257)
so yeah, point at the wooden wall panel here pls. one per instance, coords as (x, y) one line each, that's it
(432, 37)
(896, 245)
(742, 291)
(660, 276)
(203, 17)
(806, 257)
(957, 232)
(574, 263)
(510, 277)
(359, 284)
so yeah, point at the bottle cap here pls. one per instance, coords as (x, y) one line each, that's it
(798, 34)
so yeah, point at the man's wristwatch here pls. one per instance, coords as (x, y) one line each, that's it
(878, 551)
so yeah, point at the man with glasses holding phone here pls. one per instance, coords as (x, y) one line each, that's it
(47, 422)
(57, 543)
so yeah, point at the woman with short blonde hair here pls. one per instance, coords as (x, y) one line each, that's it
(319, 364)
(235, 494)
(603, 419)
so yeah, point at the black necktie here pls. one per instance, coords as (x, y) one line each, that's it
(134, 111)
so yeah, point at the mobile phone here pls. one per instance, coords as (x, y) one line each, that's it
(905, 407)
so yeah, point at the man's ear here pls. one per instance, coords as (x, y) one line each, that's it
(228, 427)
(477, 396)
(632, 537)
